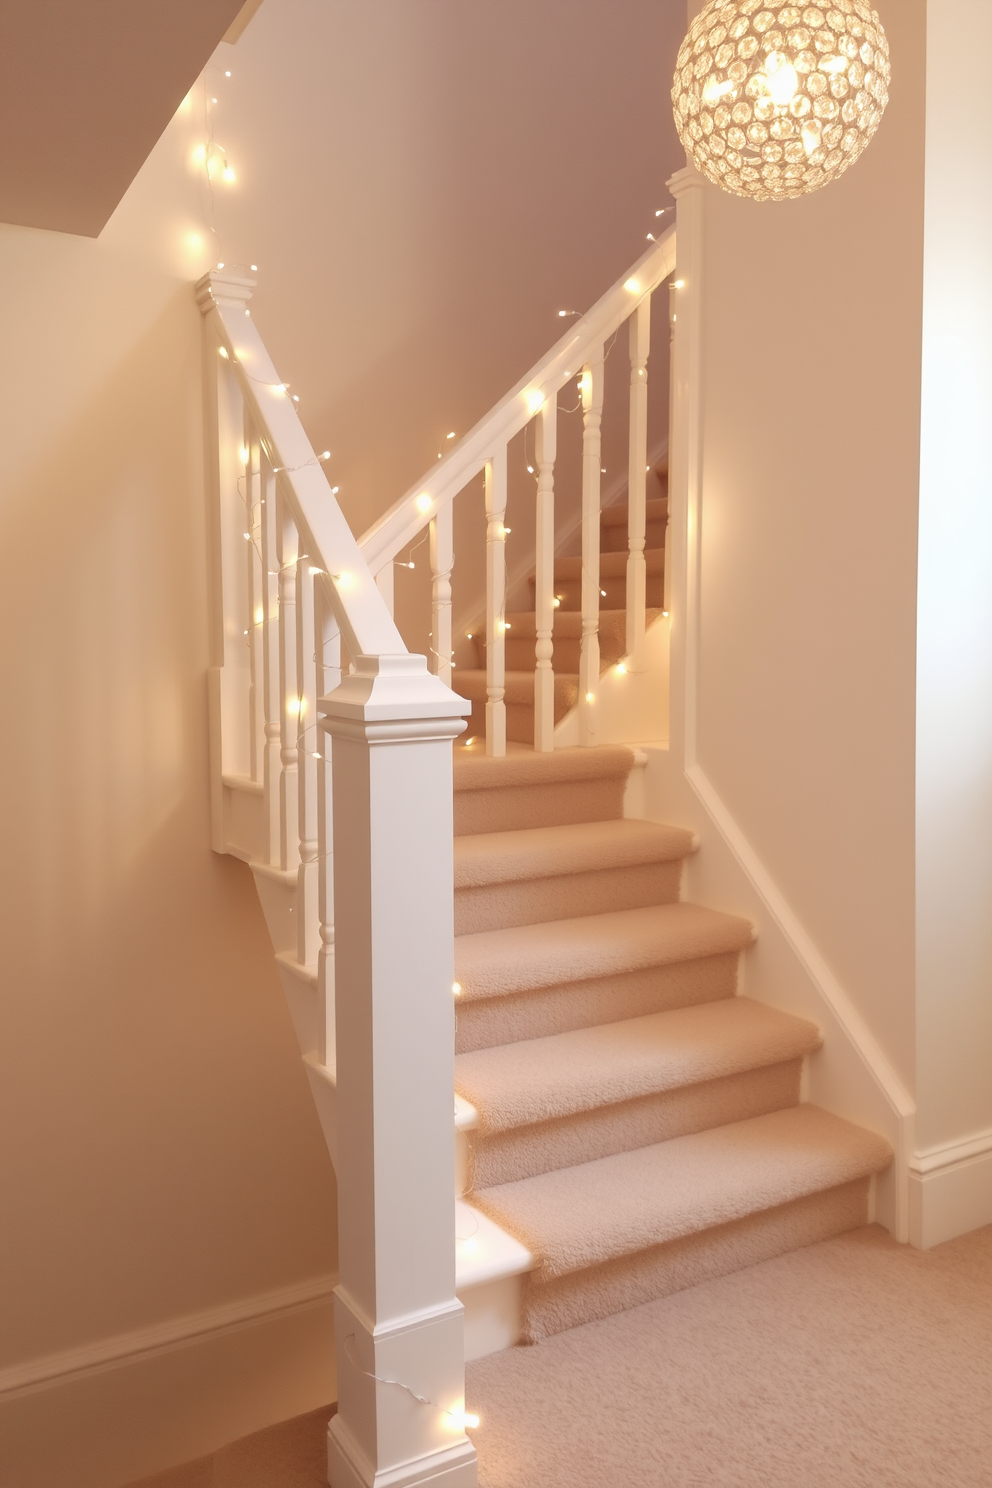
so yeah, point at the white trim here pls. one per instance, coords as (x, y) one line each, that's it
(859, 1035)
(122, 1348)
(950, 1190)
(938, 1159)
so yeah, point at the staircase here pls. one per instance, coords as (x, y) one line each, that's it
(631, 1122)
(624, 1124)
(521, 625)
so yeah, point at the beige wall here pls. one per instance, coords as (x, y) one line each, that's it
(954, 690)
(811, 350)
(159, 1151)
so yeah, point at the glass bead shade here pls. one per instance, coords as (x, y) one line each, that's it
(774, 101)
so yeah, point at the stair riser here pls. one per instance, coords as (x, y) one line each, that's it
(552, 804)
(585, 1296)
(530, 901)
(614, 539)
(654, 989)
(616, 593)
(564, 1143)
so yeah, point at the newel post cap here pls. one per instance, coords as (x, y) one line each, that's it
(217, 288)
(394, 691)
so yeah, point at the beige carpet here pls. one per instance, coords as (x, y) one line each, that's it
(855, 1363)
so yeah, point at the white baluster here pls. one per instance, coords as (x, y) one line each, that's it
(326, 640)
(592, 406)
(442, 554)
(495, 603)
(308, 923)
(255, 581)
(546, 443)
(291, 706)
(639, 328)
(273, 709)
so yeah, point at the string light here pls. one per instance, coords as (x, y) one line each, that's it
(460, 1418)
(620, 669)
(222, 351)
(424, 502)
(456, 987)
(632, 286)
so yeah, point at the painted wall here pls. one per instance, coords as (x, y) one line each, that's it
(811, 367)
(954, 662)
(423, 187)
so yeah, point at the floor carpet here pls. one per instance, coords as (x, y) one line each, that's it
(855, 1363)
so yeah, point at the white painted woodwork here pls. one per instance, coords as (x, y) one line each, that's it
(592, 416)
(327, 648)
(256, 583)
(273, 702)
(546, 448)
(404, 520)
(639, 332)
(397, 1317)
(496, 603)
(307, 919)
(291, 710)
(442, 559)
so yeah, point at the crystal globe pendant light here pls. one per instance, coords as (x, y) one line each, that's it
(774, 101)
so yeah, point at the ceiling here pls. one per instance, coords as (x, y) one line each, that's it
(86, 89)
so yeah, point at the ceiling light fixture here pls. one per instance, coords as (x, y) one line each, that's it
(773, 101)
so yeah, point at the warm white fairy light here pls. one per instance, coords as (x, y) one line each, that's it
(424, 502)
(773, 101)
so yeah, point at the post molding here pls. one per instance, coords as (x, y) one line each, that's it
(215, 288)
(399, 1326)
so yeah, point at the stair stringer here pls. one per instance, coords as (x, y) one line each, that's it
(489, 1262)
(850, 1075)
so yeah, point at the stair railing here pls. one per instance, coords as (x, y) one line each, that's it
(429, 503)
(353, 774)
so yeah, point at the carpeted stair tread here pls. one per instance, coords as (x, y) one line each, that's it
(548, 1078)
(615, 1206)
(581, 847)
(527, 767)
(611, 565)
(655, 510)
(518, 687)
(493, 963)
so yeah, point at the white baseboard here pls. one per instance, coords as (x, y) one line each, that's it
(950, 1190)
(123, 1408)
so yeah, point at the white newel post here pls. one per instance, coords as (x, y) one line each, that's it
(592, 417)
(685, 464)
(639, 331)
(398, 1323)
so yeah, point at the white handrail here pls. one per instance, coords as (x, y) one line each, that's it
(406, 518)
(359, 608)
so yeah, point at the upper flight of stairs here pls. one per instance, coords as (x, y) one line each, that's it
(632, 1124)
(521, 625)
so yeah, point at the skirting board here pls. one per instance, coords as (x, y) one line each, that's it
(950, 1191)
(110, 1413)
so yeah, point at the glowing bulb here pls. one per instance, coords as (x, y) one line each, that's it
(456, 988)
(294, 705)
(468, 637)
(590, 697)
(602, 593)
(451, 435)
(326, 455)
(344, 580)
(259, 612)
(254, 268)
(222, 351)
(244, 455)
(228, 173)
(220, 265)
(620, 669)
(463, 1420)
(335, 490)
(632, 286)
(296, 397)
(535, 400)
(679, 284)
(280, 387)
(315, 755)
(556, 601)
(661, 211)
(782, 79)
(317, 571)
(227, 74)
(665, 614)
(530, 470)
(246, 536)
(199, 154)
(424, 502)
(562, 313)
(507, 531)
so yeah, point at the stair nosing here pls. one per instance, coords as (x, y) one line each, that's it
(602, 846)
